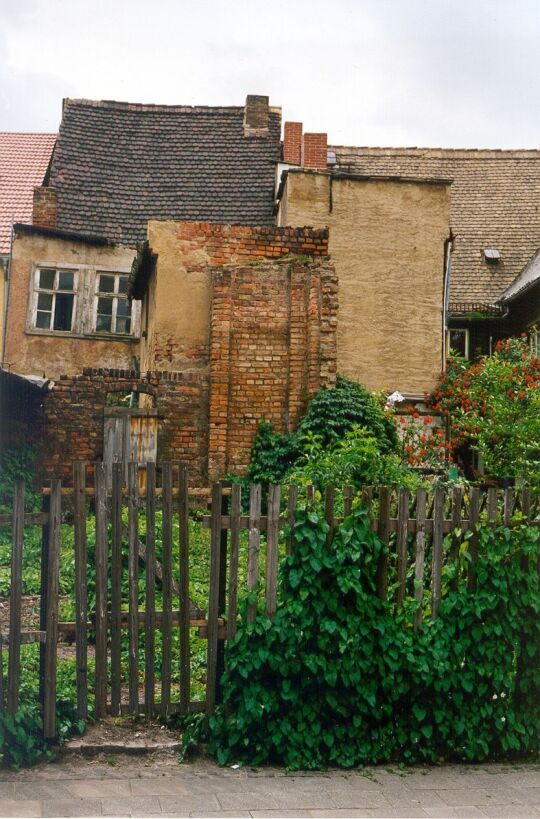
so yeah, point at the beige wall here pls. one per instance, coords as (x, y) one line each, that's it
(31, 352)
(176, 308)
(387, 244)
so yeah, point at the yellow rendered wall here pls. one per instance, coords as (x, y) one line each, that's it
(51, 355)
(387, 244)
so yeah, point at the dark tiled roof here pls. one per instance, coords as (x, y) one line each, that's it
(24, 159)
(116, 165)
(495, 202)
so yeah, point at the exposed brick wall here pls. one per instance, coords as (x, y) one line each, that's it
(74, 418)
(292, 142)
(44, 207)
(256, 115)
(315, 151)
(272, 347)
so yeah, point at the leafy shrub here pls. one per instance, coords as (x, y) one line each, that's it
(494, 406)
(21, 735)
(355, 460)
(272, 455)
(332, 413)
(17, 463)
(335, 411)
(337, 678)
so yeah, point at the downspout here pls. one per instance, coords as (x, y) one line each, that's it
(448, 244)
(7, 275)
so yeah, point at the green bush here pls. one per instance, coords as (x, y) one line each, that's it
(338, 678)
(355, 460)
(335, 411)
(331, 415)
(17, 463)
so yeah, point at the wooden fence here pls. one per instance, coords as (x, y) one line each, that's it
(423, 533)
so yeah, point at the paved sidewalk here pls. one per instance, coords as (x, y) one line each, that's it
(158, 786)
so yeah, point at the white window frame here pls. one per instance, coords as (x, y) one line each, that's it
(115, 296)
(83, 321)
(54, 291)
(534, 341)
(467, 339)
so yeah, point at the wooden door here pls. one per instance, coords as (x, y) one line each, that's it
(129, 434)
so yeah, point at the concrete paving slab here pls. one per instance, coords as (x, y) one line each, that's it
(479, 796)
(164, 786)
(71, 807)
(191, 804)
(11, 808)
(249, 800)
(511, 812)
(135, 805)
(98, 788)
(469, 812)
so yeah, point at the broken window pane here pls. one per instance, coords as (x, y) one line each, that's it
(105, 307)
(123, 325)
(123, 308)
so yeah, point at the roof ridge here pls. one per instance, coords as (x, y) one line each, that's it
(147, 106)
(451, 151)
(29, 133)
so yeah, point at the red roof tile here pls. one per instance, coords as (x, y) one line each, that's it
(24, 159)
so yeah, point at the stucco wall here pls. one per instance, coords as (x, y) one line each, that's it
(37, 353)
(387, 244)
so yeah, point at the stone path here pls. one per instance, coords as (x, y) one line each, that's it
(158, 786)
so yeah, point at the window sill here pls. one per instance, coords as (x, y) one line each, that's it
(83, 336)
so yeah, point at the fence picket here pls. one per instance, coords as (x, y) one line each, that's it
(183, 585)
(348, 494)
(329, 503)
(272, 536)
(81, 589)
(402, 533)
(508, 506)
(437, 554)
(51, 619)
(133, 581)
(457, 500)
(166, 560)
(15, 592)
(213, 600)
(474, 516)
(101, 589)
(236, 507)
(492, 504)
(421, 498)
(116, 587)
(150, 591)
(291, 510)
(383, 528)
(254, 545)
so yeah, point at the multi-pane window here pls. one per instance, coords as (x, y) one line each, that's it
(535, 343)
(113, 310)
(56, 292)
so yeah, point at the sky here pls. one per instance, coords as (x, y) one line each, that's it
(434, 73)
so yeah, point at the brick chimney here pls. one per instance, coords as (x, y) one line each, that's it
(44, 207)
(314, 154)
(292, 143)
(256, 115)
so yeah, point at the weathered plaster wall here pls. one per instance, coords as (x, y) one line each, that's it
(387, 244)
(54, 354)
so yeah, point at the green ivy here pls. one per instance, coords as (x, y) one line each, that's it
(338, 677)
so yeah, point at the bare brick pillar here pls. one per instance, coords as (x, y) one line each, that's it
(44, 207)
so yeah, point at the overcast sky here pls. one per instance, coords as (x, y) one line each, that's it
(456, 73)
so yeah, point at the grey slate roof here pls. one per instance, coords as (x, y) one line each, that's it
(116, 165)
(495, 202)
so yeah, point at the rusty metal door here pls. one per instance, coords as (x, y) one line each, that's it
(130, 434)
